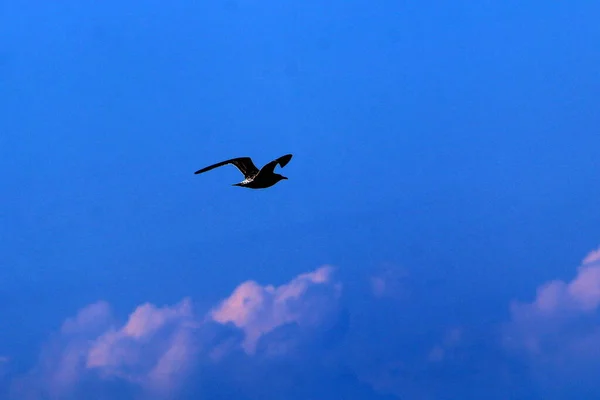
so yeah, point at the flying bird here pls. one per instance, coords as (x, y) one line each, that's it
(253, 177)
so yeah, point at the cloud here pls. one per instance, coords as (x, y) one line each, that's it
(389, 281)
(451, 340)
(157, 348)
(373, 336)
(558, 333)
(306, 300)
(89, 320)
(63, 357)
(153, 350)
(4, 362)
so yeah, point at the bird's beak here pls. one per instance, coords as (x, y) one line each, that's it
(284, 177)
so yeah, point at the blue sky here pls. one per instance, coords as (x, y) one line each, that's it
(436, 234)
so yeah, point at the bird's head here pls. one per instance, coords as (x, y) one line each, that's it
(280, 177)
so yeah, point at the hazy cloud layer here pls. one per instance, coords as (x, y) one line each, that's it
(157, 348)
(315, 337)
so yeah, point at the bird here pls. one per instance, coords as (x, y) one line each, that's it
(253, 177)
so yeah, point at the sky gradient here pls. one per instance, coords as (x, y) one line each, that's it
(438, 236)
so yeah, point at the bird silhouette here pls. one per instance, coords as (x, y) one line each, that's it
(253, 177)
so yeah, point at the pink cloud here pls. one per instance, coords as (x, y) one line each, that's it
(258, 310)
(156, 348)
(152, 349)
(580, 295)
(3, 366)
(62, 360)
(559, 331)
(440, 351)
(70, 361)
(389, 281)
(592, 257)
(90, 319)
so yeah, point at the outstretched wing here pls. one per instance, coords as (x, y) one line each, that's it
(282, 161)
(244, 164)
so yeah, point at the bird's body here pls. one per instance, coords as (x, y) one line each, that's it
(253, 177)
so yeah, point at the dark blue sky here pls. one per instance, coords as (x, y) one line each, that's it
(455, 142)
